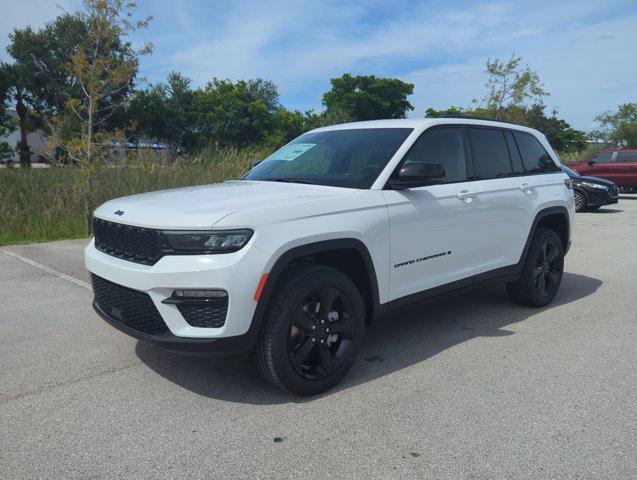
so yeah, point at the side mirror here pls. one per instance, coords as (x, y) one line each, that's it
(591, 162)
(417, 174)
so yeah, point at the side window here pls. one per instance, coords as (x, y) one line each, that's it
(444, 146)
(534, 157)
(490, 153)
(516, 160)
(603, 158)
(626, 157)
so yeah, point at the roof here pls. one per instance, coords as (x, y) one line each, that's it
(422, 123)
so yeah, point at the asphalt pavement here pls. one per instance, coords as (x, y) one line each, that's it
(466, 386)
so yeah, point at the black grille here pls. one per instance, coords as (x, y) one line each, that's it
(614, 191)
(129, 307)
(135, 244)
(205, 315)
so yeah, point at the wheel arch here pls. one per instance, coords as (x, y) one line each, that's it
(554, 218)
(348, 255)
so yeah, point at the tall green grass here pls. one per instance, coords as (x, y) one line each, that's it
(38, 205)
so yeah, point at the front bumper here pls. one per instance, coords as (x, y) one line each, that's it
(598, 197)
(222, 346)
(237, 273)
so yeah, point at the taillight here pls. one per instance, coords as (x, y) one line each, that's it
(569, 183)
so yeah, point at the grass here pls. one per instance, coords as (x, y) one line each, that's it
(38, 205)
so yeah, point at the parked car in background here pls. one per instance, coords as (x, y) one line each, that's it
(618, 166)
(591, 192)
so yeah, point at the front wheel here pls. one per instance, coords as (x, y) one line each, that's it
(580, 201)
(313, 331)
(542, 271)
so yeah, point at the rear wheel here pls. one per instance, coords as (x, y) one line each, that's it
(542, 271)
(313, 331)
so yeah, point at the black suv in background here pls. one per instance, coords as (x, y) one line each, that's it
(591, 192)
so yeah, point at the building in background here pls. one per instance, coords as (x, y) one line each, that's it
(34, 139)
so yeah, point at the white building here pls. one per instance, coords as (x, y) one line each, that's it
(34, 139)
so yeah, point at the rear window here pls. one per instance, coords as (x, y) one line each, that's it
(534, 157)
(626, 157)
(490, 153)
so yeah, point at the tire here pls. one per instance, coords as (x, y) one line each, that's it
(305, 347)
(580, 201)
(542, 271)
(592, 209)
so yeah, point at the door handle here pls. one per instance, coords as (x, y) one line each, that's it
(466, 196)
(526, 188)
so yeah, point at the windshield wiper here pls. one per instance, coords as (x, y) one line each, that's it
(291, 180)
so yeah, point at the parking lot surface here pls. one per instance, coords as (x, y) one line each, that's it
(465, 386)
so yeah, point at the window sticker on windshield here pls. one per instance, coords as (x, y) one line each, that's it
(290, 152)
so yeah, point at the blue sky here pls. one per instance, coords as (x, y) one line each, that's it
(584, 51)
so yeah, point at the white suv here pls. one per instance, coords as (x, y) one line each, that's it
(342, 225)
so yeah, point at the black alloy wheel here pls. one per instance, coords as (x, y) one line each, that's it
(313, 330)
(542, 271)
(321, 333)
(547, 273)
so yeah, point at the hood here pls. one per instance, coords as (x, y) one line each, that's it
(597, 180)
(202, 206)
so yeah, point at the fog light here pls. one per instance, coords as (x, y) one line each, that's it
(200, 293)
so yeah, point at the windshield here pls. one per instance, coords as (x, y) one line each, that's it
(351, 158)
(569, 172)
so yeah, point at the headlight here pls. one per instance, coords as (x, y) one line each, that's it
(594, 185)
(208, 242)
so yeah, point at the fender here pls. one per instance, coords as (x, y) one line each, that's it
(540, 215)
(304, 251)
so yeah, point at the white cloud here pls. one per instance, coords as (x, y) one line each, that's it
(582, 49)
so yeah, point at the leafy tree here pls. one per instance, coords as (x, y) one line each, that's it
(103, 67)
(7, 125)
(229, 113)
(431, 113)
(368, 97)
(509, 84)
(165, 113)
(620, 127)
(37, 79)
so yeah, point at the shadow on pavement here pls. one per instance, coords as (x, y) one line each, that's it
(605, 210)
(402, 339)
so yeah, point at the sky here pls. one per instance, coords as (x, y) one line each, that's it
(585, 52)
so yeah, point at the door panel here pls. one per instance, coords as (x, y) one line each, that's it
(435, 236)
(508, 205)
(625, 171)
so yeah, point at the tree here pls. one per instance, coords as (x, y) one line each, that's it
(618, 128)
(431, 113)
(368, 97)
(165, 113)
(104, 68)
(235, 113)
(7, 125)
(510, 84)
(37, 80)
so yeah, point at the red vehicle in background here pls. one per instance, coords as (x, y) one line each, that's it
(619, 166)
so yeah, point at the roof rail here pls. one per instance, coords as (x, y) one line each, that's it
(471, 117)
